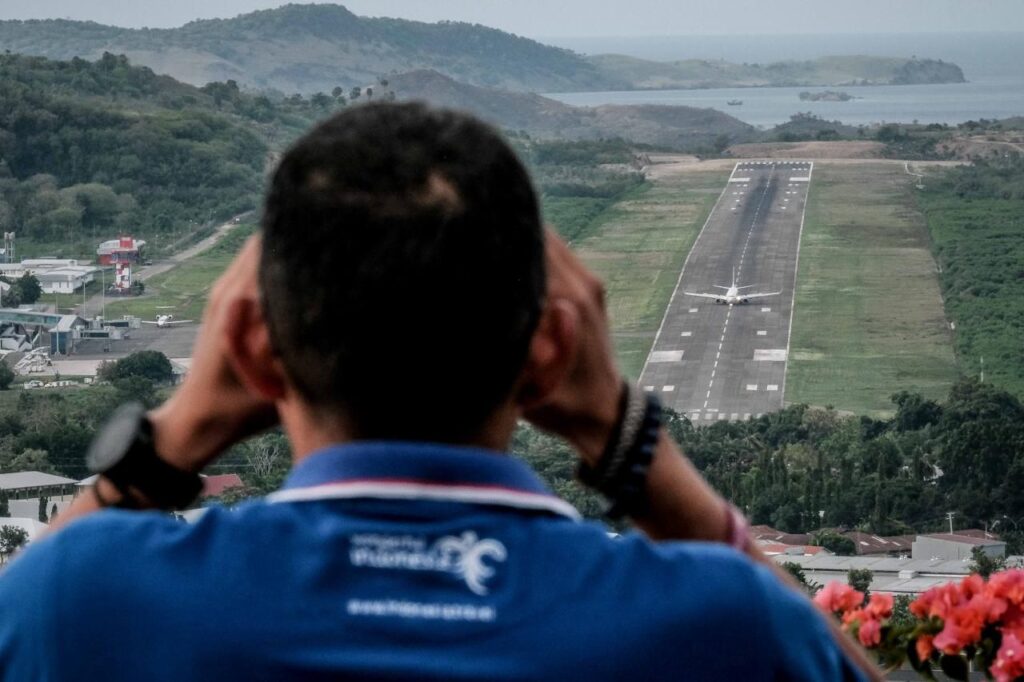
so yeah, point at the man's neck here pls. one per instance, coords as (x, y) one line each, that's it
(309, 433)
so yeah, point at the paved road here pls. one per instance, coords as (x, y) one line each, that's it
(94, 305)
(716, 362)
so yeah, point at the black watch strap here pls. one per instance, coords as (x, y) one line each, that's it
(137, 471)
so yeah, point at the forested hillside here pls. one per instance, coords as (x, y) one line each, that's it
(669, 127)
(315, 48)
(90, 149)
(310, 48)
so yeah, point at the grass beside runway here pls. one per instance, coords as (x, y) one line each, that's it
(869, 320)
(637, 245)
(182, 291)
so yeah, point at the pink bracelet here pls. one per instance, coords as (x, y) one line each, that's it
(737, 528)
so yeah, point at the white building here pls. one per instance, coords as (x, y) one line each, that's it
(55, 275)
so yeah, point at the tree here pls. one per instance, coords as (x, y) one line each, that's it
(11, 539)
(42, 508)
(860, 580)
(5, 509)
(148, 364)
(28, 288)
(984, 564)
(6, 376)
(797, 571)
(835, 543)
(29, 459)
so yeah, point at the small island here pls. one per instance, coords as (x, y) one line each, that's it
(826, 96)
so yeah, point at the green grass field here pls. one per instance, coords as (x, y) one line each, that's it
(182, 291)
(637, 245)
(869, 320)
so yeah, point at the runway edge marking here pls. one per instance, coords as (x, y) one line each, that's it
(796, 275)
(668, 307)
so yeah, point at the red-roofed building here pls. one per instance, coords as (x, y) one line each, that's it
(765, 533)
(776, 548)
(214, 486)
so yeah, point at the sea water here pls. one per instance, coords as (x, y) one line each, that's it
(993, 64)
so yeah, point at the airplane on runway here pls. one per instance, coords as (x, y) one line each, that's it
(165, 321)
(732, 295)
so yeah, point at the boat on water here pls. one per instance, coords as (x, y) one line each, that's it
(734, 102)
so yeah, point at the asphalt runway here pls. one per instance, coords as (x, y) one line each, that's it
(716, 362)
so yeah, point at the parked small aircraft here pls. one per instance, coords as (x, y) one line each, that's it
(165, 321)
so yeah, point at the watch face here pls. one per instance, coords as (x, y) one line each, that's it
(114, 439)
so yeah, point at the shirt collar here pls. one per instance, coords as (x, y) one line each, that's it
(419, 471)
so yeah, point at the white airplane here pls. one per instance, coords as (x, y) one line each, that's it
(732, 295)
(165, 321)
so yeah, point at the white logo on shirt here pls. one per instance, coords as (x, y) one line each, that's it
(462, 555)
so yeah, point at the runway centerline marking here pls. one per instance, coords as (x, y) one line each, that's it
(739, 268)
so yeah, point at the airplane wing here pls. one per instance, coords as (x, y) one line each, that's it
(715, 296)
(177, 322)
(772, 293)
(149, 322)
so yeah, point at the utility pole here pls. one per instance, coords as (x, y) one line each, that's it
(949, 515)
(982, 369)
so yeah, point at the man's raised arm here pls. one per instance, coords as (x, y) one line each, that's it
(680, 504)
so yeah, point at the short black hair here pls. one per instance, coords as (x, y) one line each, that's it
(403, 269)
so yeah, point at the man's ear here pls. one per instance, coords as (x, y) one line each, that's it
(552, 354)
(250, 351)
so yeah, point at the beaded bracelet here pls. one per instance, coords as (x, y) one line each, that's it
(621, 472)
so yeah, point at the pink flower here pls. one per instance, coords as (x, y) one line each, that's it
(880, 605)
(837, 597)
(1008, 585)
(924, 647)
(961, 628)
(1009, 664)
(870, 632)
(937, 601)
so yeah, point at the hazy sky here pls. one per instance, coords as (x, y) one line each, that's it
(577, 18)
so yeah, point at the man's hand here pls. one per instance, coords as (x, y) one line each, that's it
(582, 409)
(212, 409)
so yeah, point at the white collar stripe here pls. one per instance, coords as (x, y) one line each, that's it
(404, 490)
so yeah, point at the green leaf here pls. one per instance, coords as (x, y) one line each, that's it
(954, 666)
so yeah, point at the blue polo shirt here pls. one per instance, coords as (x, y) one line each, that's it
(393, 561)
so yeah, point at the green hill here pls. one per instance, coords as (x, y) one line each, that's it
(88, 149)
(671, 127)
(825, 71)
(315, 48)
(310, 48)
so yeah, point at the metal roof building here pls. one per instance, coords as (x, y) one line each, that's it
(890, 574)
(27, 484)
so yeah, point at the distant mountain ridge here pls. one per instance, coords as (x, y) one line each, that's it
(310, 48)
(824, 71)
(673, 127)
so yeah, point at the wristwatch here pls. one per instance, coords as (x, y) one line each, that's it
(124, 454)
